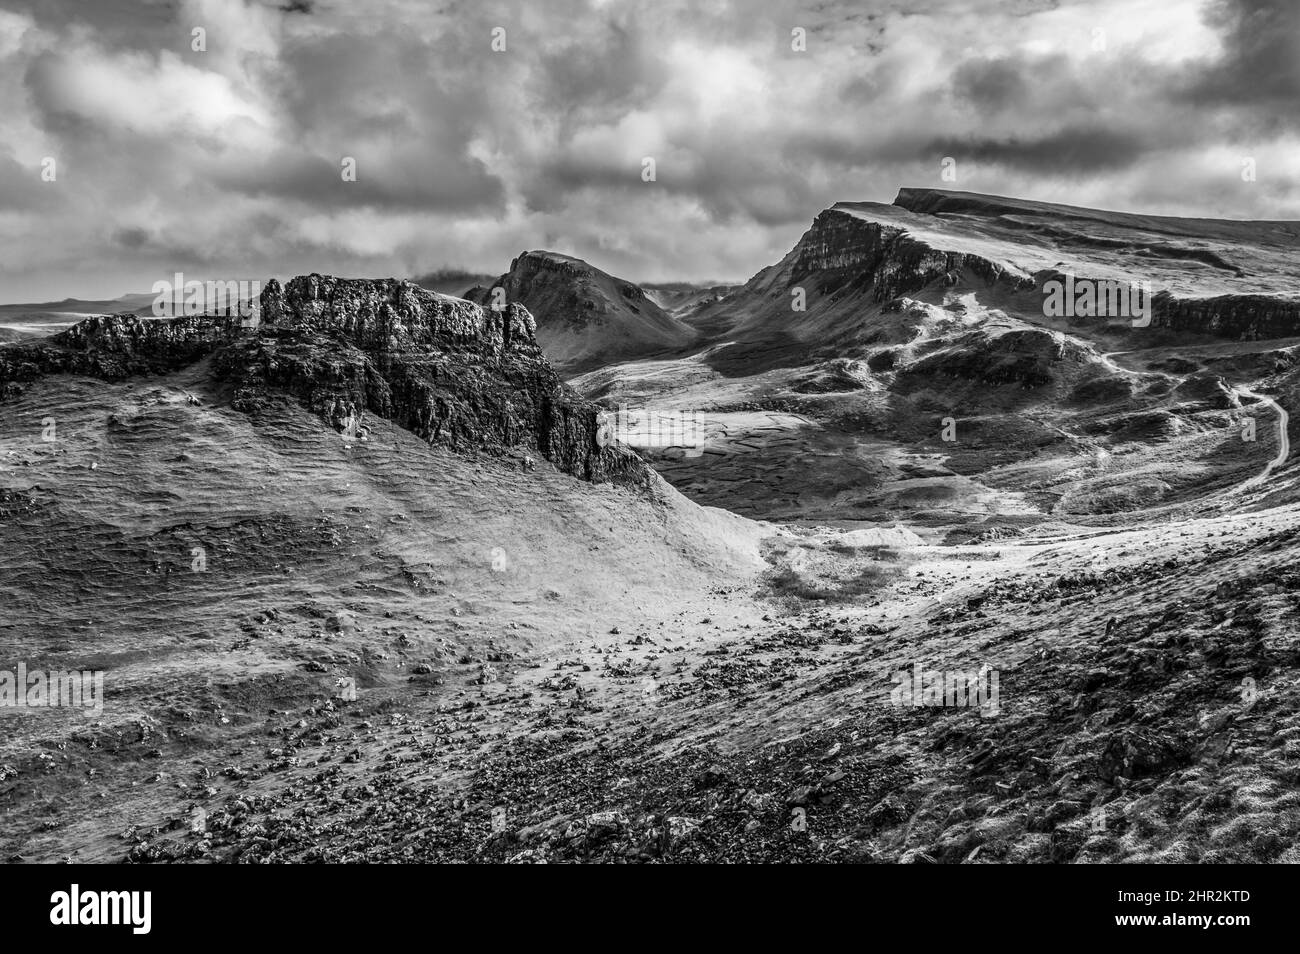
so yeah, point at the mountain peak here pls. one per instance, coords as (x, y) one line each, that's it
(585, 317)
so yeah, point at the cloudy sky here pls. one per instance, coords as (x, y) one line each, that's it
(227, 162)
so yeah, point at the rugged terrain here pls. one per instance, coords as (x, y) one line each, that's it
(829, 379)
(438, 616)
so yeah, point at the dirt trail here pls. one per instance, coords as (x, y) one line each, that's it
(1283, 438)
(1239, 391)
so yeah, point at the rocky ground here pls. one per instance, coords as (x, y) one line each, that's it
(729, 710)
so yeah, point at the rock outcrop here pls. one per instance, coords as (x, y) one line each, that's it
(450, 371)
(115, 347)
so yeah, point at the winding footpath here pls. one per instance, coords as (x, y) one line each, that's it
(1283, 421)
(1283, 439)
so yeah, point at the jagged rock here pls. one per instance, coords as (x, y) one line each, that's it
(1133, 754)
(450, 371)
(117, 346)
(601, 825)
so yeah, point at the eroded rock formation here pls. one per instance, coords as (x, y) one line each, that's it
(452, 372)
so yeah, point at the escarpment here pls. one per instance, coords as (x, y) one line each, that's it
(1239, 317)
(845, 252)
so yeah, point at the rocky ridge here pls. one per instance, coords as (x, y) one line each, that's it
(450, 371)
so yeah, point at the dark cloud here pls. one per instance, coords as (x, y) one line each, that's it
(406, 178)
(230, 158)
(598, 75)
(1260, 64)
(121, 24)
(131, 238)
(992, 84)
(1087, 149)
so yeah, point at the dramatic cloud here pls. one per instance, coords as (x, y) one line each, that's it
(213, 136)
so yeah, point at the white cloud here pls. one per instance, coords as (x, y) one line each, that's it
(142, 94)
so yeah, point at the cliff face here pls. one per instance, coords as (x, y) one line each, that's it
(389, 315)
(845, 252)
(448, 370)
(855, 255)
(452, 372)
(1241, 317)
(850, 265)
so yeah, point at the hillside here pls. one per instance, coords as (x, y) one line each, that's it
(379, 484)
(586, 318)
